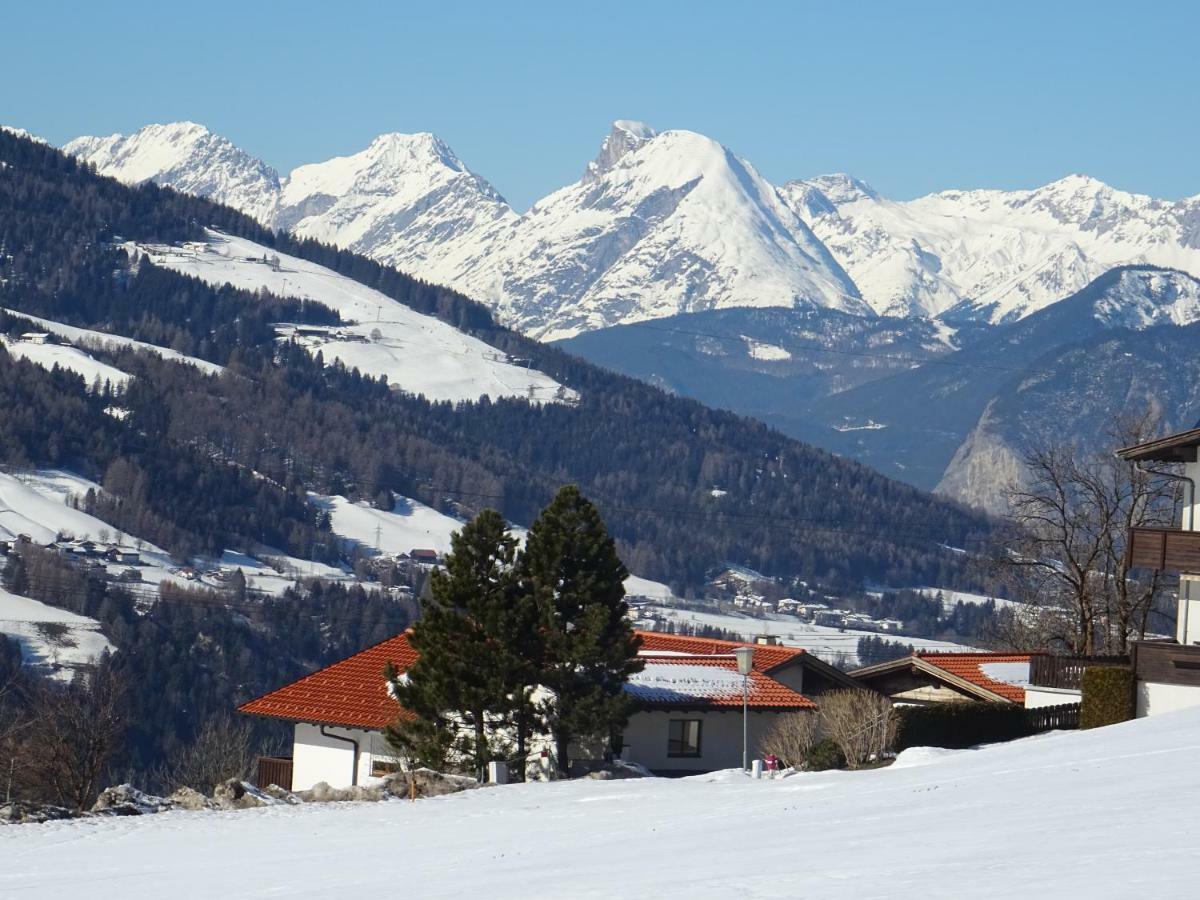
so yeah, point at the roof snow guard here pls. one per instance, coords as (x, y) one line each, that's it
(1180, 447)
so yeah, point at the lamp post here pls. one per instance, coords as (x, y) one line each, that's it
(745, 664)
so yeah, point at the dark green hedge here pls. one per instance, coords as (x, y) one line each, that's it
(1108, 696)
(959, 724)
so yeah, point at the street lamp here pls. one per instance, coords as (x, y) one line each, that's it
(745, 665)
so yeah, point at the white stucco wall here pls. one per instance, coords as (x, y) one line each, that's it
(645, 740)
(1037, 697)
(317, 757)
(1187, 617)
(1154, 698)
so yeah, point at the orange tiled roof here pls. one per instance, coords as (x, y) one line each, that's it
(766, 656)
(967, 666)
(352, 692)
(706, 681)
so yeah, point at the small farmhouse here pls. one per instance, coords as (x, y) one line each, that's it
(926, 677)
(688, 719)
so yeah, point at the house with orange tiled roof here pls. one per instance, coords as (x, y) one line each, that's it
(688, 718)
(939, 677)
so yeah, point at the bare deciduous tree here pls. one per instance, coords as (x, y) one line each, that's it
(1063, 556)
(74, 731)
(791, 738)
(223, 749)
(861, 722)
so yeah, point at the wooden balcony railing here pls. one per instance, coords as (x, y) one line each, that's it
(1167, 662)
(275, 770)
(1066, 671)
(1165, 549)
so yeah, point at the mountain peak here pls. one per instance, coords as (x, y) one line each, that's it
(842, 188)
(626, 136)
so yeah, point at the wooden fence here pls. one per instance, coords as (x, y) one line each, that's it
(1050, 718)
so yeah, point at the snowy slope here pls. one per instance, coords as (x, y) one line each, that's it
(51, 639)
(85, 338)
(417, 353)
(70, 358)
(1032, 818)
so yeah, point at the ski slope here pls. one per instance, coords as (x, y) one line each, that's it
(417, 353)
(1106, 813)
(70, 358)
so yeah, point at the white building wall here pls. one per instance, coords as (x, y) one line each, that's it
(1037, 697)
(645, 740)
(318, 757)
(1154, 698)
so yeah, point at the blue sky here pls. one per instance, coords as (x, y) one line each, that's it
(912, 97)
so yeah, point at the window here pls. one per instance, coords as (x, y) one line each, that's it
(683, 737)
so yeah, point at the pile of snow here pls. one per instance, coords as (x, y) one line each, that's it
(417, 353)
(1031, 818)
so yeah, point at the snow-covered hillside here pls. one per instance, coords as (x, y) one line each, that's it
(87, 339)
(673, 222)
(70, 358)
(52, 640)
(1032, 818)
(416, 353)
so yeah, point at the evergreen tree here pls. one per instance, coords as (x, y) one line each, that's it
(461, 684)
(571, 571)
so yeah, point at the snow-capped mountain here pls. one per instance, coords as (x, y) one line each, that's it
(406, 201)
(668, 223)
(658, 224)
(995, 255)
(189, 158)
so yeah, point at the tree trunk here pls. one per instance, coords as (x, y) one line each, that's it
(562, 741)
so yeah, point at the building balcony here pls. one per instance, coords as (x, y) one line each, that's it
(1166, 662)
(1066, 672)
(1164, 549)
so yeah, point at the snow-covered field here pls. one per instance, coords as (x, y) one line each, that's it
(50, 638)
(1107, 813)
(417, 353)
(70, 358)
(828, 643)
(950, 598)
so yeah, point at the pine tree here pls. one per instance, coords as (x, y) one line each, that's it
(461, 684)
(571, 571)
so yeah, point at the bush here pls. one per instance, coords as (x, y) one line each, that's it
(861, 722)
(824, 754)
(1108, 696)
(959, 724)
(792, 739)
